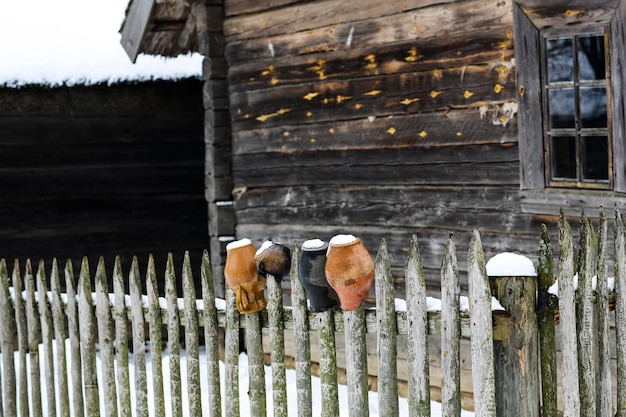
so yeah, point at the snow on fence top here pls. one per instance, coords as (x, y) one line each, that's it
(509, 264)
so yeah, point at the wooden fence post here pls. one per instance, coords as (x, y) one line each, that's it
(516, 370)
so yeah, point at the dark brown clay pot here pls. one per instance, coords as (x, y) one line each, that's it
(312, 276)
(240, 272)
(349, 270)
(274, 259)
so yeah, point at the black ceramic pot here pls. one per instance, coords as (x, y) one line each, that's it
(312, 277)
(274, 259)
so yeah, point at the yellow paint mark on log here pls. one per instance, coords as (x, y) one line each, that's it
(521, 91)
(423, 133)
(497, 88)
(238, 111)
(437, 73)
(467, 94)
(373, 93)
(413, 55)
(331, 130)
(573, 13)
(341, 98)
(319, 69)
(312, 140)
(371, 59)
(391, 130)
(284, 147)
(509, 34)
(408, 101)
(503, 119)
(311, 96)
(459, 133)
(358, 106)
(435, 93)
(286, 133)
(247, 116)
(268, 71)
(327, 100)
(274, 81)
(309, 114)
(277, 113)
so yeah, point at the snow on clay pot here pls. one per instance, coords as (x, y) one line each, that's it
(274, 259)
(349, 270)
(241, 276)
(313, 277)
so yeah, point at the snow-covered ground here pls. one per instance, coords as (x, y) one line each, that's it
(75, 41)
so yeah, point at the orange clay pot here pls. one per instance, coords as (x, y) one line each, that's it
(349, 271)
(240, 272)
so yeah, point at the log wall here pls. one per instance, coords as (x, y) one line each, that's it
(102, 170)
(379, 119)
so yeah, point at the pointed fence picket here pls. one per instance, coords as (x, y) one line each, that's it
(91, 321)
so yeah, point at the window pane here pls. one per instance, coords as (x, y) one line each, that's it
(561, 111)
(595, 158)
(591, 64)
(560, 60)
(593, 107)
(563, 157)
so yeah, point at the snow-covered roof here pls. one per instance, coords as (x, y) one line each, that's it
(76, 42)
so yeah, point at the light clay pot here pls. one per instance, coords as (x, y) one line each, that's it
(240, 272)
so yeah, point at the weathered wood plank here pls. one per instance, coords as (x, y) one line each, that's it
(454, 127)
(256, 367)
(88, 339)
(450, 333)
(356, 362)
(605, 393)
(585, 322)
(59, 314)
(617, 36)
(121, 340)
(239, 7)
(194, 391)
(22, 342)
(328, 365)
(277, 345)
(74, 335)
(561, 14)
(620, 311)
(483, 374)
(156, 340)
(105, 341)
(231, 359)
(173, 336)
(7, 335)
(139, 343)
(134, 30)
(417, 345)
(34, 338)
(211, 337)
(354, 169)
(302, 338)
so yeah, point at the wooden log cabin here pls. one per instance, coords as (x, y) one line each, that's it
(385, 119)
(102, 170)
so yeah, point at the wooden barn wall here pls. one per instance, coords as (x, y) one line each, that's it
(102, 171)
(379, 119)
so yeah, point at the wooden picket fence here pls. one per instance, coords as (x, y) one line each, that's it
(78, 339)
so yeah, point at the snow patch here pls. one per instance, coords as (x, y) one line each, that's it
(509, 264)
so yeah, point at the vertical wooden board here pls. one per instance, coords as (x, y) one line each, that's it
(156, 340)
(417, 344)
(87, 329)
(567, 319)
(121, 340)
(585, 322)
(302, 339)
(22, 343)
(618, 97)
(34, 336)
(194, 392)
(481, 326)
(277, 345)
(211, 337)
(139, 344)
(173, 332)
(76, 364)
(105, 341)
(620, 311)
(256, 368)
(7, 335)
(231, 360)
(605, 388)
(386, 337)
(450, 334)
(45, 318)
(328, 365)
(58, 316)
(356, 362)
(547, 338)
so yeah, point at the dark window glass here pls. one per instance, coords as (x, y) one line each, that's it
(561, 108)
(591, 58)
(596, 157)
(564, 156)
(560, 60)
(593, 112)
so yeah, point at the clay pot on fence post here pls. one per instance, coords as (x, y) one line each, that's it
(274, 259)
(240, 273)
(349, 270)
(312, 276)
